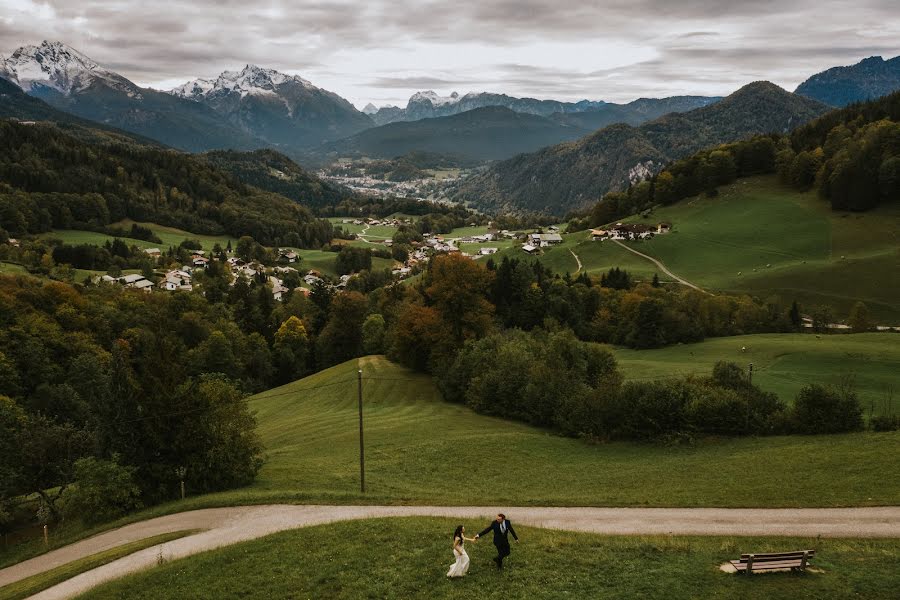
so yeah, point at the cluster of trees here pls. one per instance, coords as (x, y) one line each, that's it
(459, 300)
(142, 385)
(857, 167)
(351, 259)
(53, 180)
(553, 380)
(851, 157)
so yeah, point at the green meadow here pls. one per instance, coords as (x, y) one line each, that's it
(409, 558)
(785, 362)
(170, 236)
(760, 237)
(419, 447)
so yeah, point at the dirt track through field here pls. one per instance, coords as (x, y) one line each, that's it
(663, 268)
(225, 526)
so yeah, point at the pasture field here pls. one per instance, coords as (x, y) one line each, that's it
(420, 447)
(409, 558)
(172, 236)
(596, 257)
(169, 235)
(8, 268)
(785, 362)
(324, 261)
(760, 237)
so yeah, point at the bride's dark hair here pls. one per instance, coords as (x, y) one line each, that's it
(458, 532)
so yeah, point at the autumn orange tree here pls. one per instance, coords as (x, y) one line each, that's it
(457, 288)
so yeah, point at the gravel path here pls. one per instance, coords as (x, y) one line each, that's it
(578, 260)
(226, 526)
(663, 268)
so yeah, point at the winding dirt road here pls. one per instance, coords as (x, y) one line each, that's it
(663, 268)
(225, 526)
(578, 260)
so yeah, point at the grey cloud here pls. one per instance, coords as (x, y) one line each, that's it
(695, 46)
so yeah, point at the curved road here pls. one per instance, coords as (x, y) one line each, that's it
(224, 526)
(663, 268)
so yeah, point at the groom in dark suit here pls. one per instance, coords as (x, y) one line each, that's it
(501, 528)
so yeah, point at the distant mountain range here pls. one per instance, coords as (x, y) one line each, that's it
(428, 105)
(282, 110)
(488, 133)
(634, 113)
(498, 132)
(866, 80)
(71, 82)
(560, 178)
(244, 110)
(256, 108)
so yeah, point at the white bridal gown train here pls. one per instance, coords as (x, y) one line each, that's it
(461, 566)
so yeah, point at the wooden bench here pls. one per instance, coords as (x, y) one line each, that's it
(754, 563)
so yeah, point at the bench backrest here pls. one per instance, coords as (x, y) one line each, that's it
(777, 556)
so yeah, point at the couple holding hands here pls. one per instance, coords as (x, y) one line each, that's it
(501, 527)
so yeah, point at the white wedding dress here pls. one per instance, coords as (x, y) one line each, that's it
(461, 566)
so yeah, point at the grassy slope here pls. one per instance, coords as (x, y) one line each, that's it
(813, 254)
(419, 448)
(8, 268)
(596, 257)
(409, 558)
(169, 235)
(783, 363)
(36, 583)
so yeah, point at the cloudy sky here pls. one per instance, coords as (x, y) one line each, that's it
(384, 50)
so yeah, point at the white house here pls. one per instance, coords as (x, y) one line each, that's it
(487, 251)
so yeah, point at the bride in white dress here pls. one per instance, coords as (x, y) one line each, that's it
(461, 566)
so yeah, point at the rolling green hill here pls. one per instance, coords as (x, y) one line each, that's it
(570, 176)
(762, 238)
(419, 448)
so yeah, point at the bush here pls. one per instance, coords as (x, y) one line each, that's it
(818, 409)
(103, 490)
(885, 423)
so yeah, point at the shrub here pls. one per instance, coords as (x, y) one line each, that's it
(103, 490)
(885, 423)
(818, 409)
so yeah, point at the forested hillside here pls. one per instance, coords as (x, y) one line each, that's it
(851, 157)
(275, 172)
(571, 176)
(488, 133)
(868, 79)
(49, 179)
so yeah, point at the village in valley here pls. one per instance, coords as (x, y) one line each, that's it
(284, 271)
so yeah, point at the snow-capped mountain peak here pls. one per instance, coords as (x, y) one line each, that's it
(370, 109)
(434, 98)
(251, 80)
(54, 65)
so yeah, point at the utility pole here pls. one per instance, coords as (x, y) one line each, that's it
(750, 382)
(362, 456)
